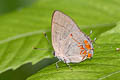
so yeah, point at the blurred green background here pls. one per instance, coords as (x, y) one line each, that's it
(22, 23)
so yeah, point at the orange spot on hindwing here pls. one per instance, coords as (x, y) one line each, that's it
(89, 55)
(87, 45)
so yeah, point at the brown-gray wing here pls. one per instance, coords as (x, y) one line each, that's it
(63, 44)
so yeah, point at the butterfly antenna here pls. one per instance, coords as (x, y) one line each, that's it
(46, 37)
(41, 49)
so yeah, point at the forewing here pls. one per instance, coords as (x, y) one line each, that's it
(63, 44)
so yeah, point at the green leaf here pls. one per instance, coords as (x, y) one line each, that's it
(21, 30)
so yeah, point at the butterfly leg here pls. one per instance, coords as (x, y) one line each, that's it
(69, 66)
(57, 64)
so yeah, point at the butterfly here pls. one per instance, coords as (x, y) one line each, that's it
(70, 44)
